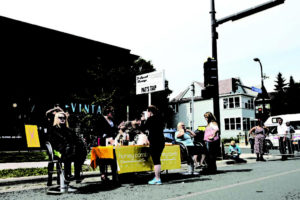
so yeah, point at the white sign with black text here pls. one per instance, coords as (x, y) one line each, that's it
(150, 82)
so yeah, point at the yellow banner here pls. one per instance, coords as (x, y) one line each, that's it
(137, 158)
(32, 136)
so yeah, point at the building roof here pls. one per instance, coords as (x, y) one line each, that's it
(225, 87)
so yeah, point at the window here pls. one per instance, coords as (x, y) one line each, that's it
(246, 124)
(237, 102)
(238, 123)
(232, 102)
(248, 103)
(226, 124)
(225, 103)
(232, 123)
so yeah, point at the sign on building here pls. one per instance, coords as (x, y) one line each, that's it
(150, 82)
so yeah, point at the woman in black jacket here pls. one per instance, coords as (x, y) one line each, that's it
(68, 144)
(155, 126)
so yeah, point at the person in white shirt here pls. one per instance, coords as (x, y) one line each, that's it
(282, 134)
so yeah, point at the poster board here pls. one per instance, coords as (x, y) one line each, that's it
(32, 136)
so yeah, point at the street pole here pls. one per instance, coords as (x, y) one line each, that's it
(215, 56)
(193, 108)
(262, 86)
(216, 104)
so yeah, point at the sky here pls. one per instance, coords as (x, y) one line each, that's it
(175, 35)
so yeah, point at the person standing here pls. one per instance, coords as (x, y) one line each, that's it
(251, 141)
(155, 126)
(211, 138)
(259, 137)
(107, 131)
(282, 135)
(290, 132)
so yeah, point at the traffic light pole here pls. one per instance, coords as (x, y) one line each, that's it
(215, 56)
(214, 24)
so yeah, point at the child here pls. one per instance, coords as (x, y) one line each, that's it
(234, 151)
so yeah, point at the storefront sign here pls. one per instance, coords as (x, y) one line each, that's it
(86, 108)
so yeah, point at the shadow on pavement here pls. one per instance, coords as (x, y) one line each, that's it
(234, 170)
(138, 179)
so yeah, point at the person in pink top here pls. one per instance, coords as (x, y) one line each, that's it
(211, 138)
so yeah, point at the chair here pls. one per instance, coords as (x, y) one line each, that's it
(184, 152)
(61, 181)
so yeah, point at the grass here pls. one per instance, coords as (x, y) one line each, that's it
(10, 173)
(34, 156)
(6, 157)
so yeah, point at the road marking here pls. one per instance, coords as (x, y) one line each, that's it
(234, 185)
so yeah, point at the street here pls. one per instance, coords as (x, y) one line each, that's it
(274, 179)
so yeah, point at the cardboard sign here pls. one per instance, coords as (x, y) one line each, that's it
(32, 136)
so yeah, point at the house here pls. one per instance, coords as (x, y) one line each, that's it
(237, 109)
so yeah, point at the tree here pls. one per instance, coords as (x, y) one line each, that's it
(116, 86)
(280, 83)
(279, 103)
(292, 98)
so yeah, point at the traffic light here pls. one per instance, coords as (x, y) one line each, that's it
(235, 84)
(259, 114)
(210, 73)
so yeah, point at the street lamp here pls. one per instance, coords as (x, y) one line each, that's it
(262, 84)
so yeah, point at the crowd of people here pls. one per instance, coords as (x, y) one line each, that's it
(146, 129)
(201, 146)
(258, 134)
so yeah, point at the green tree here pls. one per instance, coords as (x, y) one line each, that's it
(116, 86)
(279, 103)
(292, 98)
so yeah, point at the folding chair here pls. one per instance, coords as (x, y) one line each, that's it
(62, 187)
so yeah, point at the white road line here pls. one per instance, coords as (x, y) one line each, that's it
(233, 185)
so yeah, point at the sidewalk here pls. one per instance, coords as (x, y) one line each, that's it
(250, 158)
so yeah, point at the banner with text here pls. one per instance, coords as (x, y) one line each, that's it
(150, 82)
(137, 158)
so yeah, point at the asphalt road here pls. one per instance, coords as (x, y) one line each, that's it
(272, 180)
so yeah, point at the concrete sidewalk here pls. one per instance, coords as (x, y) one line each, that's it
(250, 158)
(22, 165)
